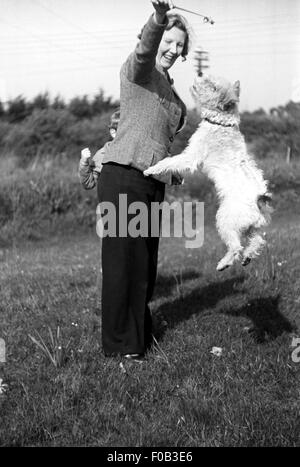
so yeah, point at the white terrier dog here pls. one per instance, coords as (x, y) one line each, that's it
(218, 149)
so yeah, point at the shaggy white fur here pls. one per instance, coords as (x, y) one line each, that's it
(219, 150)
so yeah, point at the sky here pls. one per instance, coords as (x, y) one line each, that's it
(76, 47)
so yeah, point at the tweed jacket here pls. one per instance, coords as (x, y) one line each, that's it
(151, 112)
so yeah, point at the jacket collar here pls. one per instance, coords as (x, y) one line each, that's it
(165, 74)
(167, 79)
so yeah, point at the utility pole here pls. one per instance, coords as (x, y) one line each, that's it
(201, 60)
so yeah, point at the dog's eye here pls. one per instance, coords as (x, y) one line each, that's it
(229, 106)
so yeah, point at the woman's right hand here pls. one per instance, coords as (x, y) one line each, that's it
(161, 7)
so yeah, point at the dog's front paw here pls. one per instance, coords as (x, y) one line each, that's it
(161, 167)
(148, 172)
(154, 170)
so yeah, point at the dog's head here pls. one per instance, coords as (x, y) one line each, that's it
(216, 94)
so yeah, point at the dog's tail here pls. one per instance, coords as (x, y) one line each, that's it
(264, 205)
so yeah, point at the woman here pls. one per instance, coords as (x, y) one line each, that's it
(151, 115)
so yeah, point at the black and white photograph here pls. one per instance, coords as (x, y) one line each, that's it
(149, 226)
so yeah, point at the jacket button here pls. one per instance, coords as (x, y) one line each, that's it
(171, 139)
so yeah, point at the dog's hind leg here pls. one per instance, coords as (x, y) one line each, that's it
(253, 248)
(233, 243)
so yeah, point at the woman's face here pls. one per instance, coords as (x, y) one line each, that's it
(170, 47)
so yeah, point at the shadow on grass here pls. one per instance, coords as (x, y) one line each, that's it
(268, 322)
(165, 284)
(199, 300)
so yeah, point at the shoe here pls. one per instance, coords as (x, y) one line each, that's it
(134, 357)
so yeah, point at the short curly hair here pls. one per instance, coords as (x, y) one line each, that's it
(178, 21)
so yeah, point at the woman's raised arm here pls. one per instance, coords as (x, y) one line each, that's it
(142, 61)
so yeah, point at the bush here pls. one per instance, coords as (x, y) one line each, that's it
(50, 132)
(5, 129)
(39, 202)
(41, 101)
(45, 131)
(80, 107)
(2, 111)
(272, 134)
(18, 109)
(92, 133)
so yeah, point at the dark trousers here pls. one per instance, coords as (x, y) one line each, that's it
(129, 264)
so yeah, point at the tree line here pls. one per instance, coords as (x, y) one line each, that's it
(52, 127)
(18, 109)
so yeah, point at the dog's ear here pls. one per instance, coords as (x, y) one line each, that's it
(237, 88)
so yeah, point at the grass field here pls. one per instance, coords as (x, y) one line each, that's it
(183, 395)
